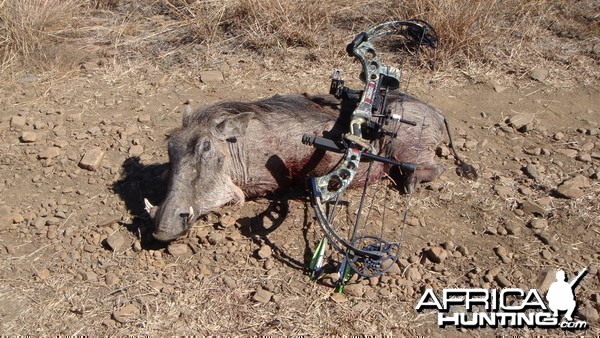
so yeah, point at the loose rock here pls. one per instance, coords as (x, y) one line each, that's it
(227, 221)
(585, 157)
(532, 208)
(539, 74)
(394, 269)
(568, 152)
(545, 238)
(43, 274)
(229, 282)
(355, 290)
(442, 151)
(262, 296)
(144, 118)
(111, 279)
(499, 88)
(501, 251)
(522, 122)
(92, 159)
(413, 274)
(533, 172)
(538, 223)
(504, 192)
(512, 228)
(463, 250)
(339, 298)
(40, 222)
(265, 252)
(502, 281)
(211, 76)
(525, 190)
(49, 153)
(448, 245)
(126, 313)
(29, 136)
(573, 188)
(491, 230)
(215, 238)
(179, 250)
(436, 255)
(589, 313)
(115, 241)
(18, 122)
(547, 255)
(136, 150)
(533, 151)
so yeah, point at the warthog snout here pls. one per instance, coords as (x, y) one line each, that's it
(174, 225)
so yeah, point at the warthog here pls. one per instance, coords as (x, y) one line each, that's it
(230, 151)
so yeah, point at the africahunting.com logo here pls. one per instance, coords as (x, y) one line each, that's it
(510, 307)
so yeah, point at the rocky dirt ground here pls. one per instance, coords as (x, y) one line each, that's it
(75, 257)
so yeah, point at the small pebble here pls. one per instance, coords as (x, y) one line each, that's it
(111, 279)
(126, 313)
(265, 252)
(179, 250)
(262, 296)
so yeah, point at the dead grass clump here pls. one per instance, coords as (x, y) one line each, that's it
(276, 23)
(575, 19)
(257, 24)
(511, 35)
(31, 29)
(463, 25)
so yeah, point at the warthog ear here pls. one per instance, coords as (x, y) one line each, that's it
(233, 125)
(187, 114)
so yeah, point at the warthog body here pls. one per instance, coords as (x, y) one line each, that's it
(230, 151)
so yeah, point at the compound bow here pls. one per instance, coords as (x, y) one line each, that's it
(367, 255)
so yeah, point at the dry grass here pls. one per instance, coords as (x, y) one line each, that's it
(256, 24)
(177, 33)
(33, 30)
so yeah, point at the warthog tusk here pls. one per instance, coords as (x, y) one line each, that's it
(191, 215)
(147, 205)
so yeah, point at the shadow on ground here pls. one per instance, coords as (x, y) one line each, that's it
(139, 181)
(258, 227)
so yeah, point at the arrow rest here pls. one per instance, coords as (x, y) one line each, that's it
(367, 255)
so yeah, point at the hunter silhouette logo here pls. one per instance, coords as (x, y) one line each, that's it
(561, 295)
(507, 307)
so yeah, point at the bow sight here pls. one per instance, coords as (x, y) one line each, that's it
(367, 255)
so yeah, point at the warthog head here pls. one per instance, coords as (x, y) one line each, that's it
(200, 179)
